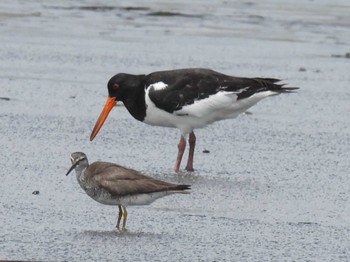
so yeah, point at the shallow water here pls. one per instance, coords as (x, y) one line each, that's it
(275, 185)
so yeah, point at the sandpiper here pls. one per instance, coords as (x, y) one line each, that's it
(186, 99)
(112, 184)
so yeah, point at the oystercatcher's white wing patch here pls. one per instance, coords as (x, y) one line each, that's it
(158, 86)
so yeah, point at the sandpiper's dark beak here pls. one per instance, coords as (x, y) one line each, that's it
(72, 167)
(110, 103)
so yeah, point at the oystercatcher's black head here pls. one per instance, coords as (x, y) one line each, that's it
(120, 87)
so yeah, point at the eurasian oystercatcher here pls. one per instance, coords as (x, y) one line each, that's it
(111, 184)
(186, 99)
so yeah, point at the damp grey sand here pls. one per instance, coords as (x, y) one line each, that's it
(274, 185)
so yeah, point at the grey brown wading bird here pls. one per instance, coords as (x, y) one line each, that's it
(186, 99)
(111, 184)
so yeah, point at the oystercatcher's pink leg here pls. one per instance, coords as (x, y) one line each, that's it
(181, 146)
(192, 142)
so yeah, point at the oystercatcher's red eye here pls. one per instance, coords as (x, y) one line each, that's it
(115, 86)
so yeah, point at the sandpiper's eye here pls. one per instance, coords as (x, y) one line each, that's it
(115, 86)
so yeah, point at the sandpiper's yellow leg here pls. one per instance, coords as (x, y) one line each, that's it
(119, 217)
(125, 214)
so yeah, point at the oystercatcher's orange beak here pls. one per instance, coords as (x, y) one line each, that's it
(110, 103)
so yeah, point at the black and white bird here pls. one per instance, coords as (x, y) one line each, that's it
(112, 184)
(186, 99)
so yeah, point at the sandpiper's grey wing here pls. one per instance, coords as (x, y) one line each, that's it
(121, 181)
(107, 169)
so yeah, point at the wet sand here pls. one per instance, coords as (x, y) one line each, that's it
(275, 183)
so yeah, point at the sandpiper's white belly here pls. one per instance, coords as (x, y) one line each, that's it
(129, 200)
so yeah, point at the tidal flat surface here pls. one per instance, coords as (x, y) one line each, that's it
(275, 185)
